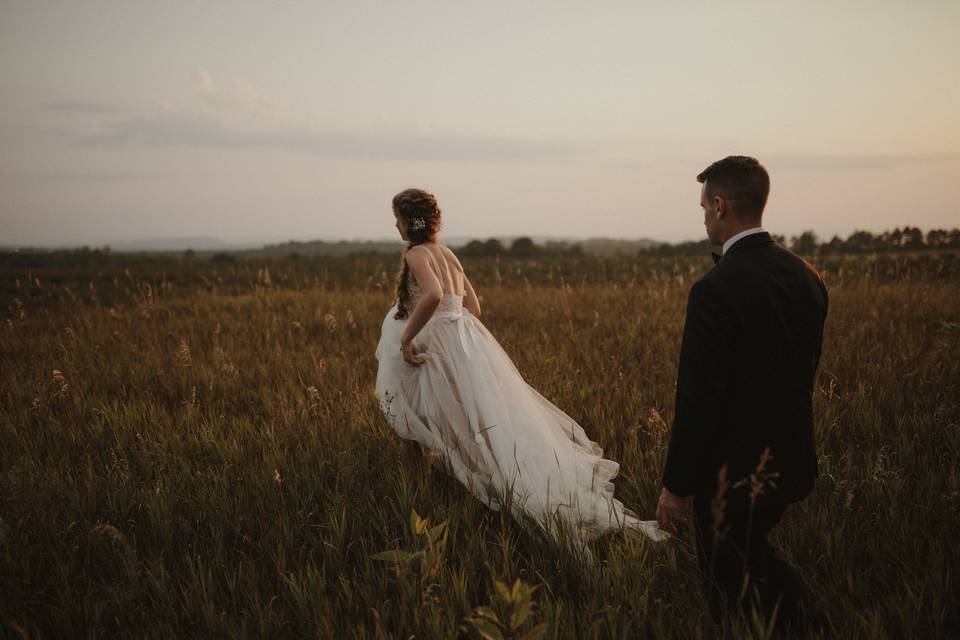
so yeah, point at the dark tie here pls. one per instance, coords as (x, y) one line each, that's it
(716, 257)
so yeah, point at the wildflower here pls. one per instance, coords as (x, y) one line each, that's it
(760, 478)
(655, 419)
(183, 354)
(263, 275)
(59, 378)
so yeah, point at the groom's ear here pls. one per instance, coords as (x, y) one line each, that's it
(720, 206)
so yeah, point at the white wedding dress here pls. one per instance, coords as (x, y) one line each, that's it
(492, 430)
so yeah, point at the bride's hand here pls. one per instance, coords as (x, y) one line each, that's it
(672, 510)
(410, 354)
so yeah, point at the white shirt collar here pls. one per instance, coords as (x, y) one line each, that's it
(742, 234)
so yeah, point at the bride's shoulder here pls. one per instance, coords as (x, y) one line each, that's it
(416, 253)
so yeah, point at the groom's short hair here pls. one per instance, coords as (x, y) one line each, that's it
(742, 181)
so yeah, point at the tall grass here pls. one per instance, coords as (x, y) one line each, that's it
(203, 455)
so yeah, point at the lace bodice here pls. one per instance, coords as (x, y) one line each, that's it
(450, 303)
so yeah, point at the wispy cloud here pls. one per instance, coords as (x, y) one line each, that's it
(236, 115)
(237, 99)
(80, 107)
(175, 130)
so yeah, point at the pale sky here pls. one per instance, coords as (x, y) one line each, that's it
(127, 120)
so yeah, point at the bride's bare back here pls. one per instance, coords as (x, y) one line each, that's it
(437, 270)
(446, 267)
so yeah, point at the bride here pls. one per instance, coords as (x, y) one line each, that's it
(446, 383)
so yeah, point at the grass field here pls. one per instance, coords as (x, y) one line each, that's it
(191, 449)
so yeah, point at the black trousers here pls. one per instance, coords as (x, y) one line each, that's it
(741, 570)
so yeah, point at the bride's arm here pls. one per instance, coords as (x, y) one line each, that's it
(470, 299)
(431, 290)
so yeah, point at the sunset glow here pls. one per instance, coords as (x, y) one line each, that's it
(124, 121)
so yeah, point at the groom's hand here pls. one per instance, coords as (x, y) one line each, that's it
(671, 511)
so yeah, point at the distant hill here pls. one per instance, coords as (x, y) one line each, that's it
(197, 243)
(610, 247)
(325, 248)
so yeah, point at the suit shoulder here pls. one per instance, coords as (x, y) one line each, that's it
(809, 268)
(789, 254)
(812, 269)
(710, 289)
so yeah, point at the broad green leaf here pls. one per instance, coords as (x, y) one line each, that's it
(516, 590)
(503, 590)
(436, 531)
(393, 555)
(537, 633)
(520, 614)
(485, 628)
(486, 612)
(417, 524)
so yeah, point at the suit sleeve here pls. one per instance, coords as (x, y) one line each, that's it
(826, 306)
(702, 386)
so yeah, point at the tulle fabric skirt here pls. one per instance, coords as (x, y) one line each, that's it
(495, 433)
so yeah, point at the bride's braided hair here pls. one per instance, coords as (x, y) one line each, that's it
(418, 210)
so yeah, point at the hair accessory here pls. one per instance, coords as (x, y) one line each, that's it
(416, 224)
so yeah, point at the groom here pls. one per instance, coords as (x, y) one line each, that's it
(742, 444)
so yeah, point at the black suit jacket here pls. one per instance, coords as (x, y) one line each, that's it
(751, 347)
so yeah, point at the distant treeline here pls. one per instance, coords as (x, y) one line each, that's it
(905, 239)
(807, 243)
